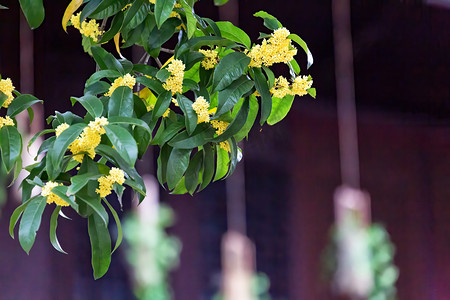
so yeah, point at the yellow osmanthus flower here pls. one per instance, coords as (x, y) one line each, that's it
(6, 121)
(225, 146)
(175, 101)
(6, 87)
(166, 113)
(220, 126)
(126, 6)
(211, 58)
(51, 197)
(281, 87)
(200, 107)
(61, 128)
(175, 81)
(126, 80)
(106, 182)
(90, 29)
(300, 85)
(277, 49)
(89, 139)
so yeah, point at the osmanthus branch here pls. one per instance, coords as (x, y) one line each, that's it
(167, 50)
(158, 62)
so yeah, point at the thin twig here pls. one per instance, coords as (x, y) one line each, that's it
(144, 59)
(158, 62)
(167, 50)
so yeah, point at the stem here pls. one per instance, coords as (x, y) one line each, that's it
(144, 59)
(158, 62)
(167, 50)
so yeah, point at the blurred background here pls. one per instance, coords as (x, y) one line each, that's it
(290, 171)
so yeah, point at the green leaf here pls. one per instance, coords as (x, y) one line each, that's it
(139, 8)
(193, 171)
(3, 98)
(304, 46)
(100, 245)
(253, 112)
(34, 12)
(16, 215)
(162, 104)
(89, 8)
(312, 92)
(222, 163)
(195, 43)
(164, 135)
(53, 225)
(208, 166)
(230, 68)
(106, 60)
(191, 20)
(3, 7)
(123, 142)
(121, 102)
(99, 87)
(79, 181)
(177, 165)
(108, 8)
(231, 32)
(33, 139)
(102, 74)
(61, 191)
(129, 121)
(10, 146)
(280, 109)
(220, 2)
(56, 153)
(269, 21)
(116, 24)
(234, 156)
(264, 90)
(20, 104)
(180, 188)
(135, 186)
(184, 141)
(160, 35)
(119, 226)
(31, 220)
(189, 113)
(96, 205)
(151, 83)
(163, 9)
(92, 104)
(230, 96)
(236, 125)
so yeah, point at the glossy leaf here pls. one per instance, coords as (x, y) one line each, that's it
(184, 141)
(230, 96)
(222, 163)
(16, 215)
(108, 8)
(89, 8)
(92, 104)
(37, 135)
(236, 125)
(100, 245)
(123, 142)
(121, 102)
(119, 226)
(33, 11)
(264, 90)
(189, 114)
(280, 109)
(21, 103)
(269, 21)
(162, 104)
(61, 191)
(196, 42)
(79, 181)
(230, 68)
(193, 171)
(252, 114)
(102, 74)
(129, 121)
(163, 9)
(305, 48)
(30, 222)
(53, 226)
(116, 24)
(208, 166)
(234, 33)
(106, 60)
(10, 146)
(190, 18)
(312, 92)
(177, 165)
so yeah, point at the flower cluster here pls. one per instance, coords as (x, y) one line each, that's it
(51, 197)
(90, 29)
(6, 87)
(278, 49)
(220, 126)
(175, 81)
(126, 80)
(299, 86)
(200, 106)
(225, 146)
(106, 182)
(6, 121)
(211, 58)
(88, 140)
